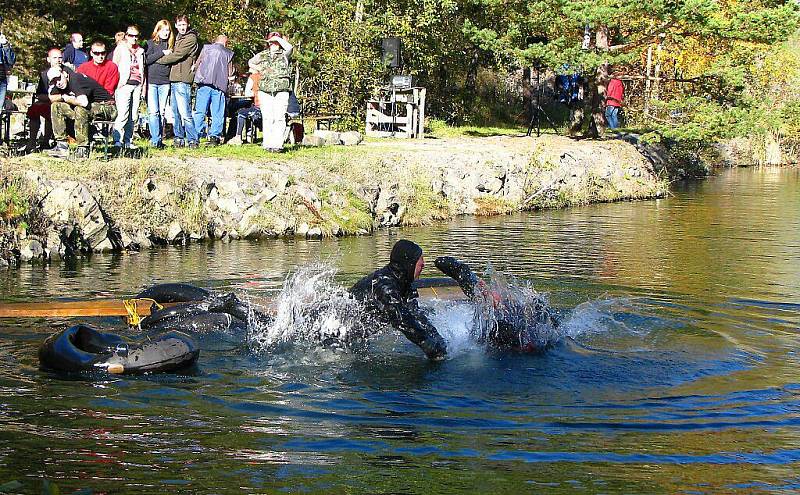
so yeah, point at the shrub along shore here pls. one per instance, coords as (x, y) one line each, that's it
(53, 209)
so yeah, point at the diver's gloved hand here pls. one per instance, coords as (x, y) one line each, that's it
(458, 271)
(434, 347)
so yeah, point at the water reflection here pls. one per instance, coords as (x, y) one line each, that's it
(680, 373)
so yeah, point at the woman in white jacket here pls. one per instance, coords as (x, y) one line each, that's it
(129, 57)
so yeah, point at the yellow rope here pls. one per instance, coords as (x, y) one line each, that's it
(433, 289)
(134, 319)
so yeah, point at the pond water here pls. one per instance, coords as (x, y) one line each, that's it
(680, 372)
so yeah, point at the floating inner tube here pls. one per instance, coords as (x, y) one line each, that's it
(174, 293)
(172, 314)
(202, 323)
(82, 348)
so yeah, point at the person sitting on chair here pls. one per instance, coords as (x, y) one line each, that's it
(253, 112)
(40, 108)
(80, 98)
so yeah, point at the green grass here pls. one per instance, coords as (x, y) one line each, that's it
(13, 201)
(251, 152)
(440, 129)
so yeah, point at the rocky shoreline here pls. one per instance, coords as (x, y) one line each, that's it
(58, 209)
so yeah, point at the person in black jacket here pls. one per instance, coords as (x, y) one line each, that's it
(388, 295)
(160, 45)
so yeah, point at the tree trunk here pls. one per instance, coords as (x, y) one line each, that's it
(527, 93)
(598, 86)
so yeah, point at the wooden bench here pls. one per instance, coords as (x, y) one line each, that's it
(320, 121)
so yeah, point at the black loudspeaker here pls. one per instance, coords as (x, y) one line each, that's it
(390, 52)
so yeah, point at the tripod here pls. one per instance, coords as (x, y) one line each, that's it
(537, 112)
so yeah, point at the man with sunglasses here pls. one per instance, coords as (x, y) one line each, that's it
(100, 68)
(129, 57)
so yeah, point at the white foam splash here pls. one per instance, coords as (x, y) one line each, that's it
(312, 309)
(454, 320)
(530, 323)
(597, 317)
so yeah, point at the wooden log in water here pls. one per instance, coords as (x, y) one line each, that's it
(428, 288)
(94, 307)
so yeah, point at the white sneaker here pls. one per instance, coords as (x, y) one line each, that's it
(60, 151)
(235, 141)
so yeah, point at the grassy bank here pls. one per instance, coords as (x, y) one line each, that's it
(234, 192)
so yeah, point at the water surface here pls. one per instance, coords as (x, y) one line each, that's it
(680, 374)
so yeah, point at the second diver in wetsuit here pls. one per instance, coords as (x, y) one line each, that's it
(388, 295)
(505, 319)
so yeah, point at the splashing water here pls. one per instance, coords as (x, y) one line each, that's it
(597, 317)
(311, 309)
(511, 313)
(454, 321)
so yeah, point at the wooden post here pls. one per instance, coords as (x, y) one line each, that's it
(421, 134)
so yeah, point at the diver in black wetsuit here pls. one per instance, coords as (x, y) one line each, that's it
(501, 320)
(388, 295)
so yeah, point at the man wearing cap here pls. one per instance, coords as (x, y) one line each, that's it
(274, 88)
(101, 69)
(390, 297)
(40, 108)
(80, 98)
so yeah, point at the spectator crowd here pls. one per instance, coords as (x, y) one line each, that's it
(180, 80)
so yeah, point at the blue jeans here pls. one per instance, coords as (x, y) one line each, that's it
(3, 86)
(157, 95)
(209, 96)
(253, 113)
(612, 116)
(182, 110)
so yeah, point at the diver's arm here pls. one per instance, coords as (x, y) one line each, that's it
(410, 320)
(461, 273)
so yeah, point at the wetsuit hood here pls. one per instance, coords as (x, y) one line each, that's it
(405, 255)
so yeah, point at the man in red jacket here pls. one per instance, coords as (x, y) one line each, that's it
(614, 95)
(100, 68)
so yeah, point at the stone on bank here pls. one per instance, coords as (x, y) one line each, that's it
(136, 204)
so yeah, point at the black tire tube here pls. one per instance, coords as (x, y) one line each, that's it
(174, 293)
(198, 324)
(109, 352)
(60, 351)
(181, 311)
